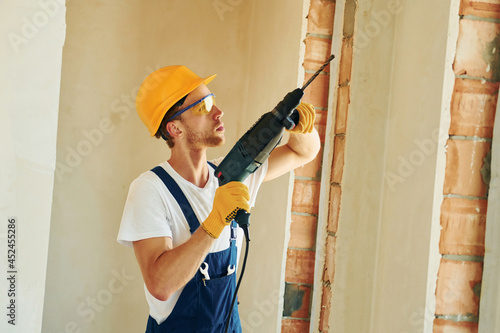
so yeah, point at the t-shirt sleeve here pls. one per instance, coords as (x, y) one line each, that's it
(254, 181)
(145, 214)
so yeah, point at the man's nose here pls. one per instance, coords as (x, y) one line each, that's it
(217, 112)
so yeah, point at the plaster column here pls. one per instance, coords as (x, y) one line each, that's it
(33, 34)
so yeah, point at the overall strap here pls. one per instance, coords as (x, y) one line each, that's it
(232, 243)
(179, 196)
(212, 165)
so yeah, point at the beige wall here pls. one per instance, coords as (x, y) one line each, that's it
(273, 71)
(94, 284)
(393, 162)
(489, 318)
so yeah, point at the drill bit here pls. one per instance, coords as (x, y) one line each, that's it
(317, 72)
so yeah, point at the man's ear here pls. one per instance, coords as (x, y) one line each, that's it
(173, 129)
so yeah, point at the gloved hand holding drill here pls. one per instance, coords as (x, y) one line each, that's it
(307, 114)
(234, 196)
(228, 200)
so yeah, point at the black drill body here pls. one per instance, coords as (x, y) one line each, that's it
(254, 147)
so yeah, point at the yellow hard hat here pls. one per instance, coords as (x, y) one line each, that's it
(161, 90)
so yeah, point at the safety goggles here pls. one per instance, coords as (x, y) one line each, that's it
(200, 107)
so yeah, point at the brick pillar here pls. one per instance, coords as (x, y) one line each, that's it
(463, 210)
(337, 167)
(299, 274)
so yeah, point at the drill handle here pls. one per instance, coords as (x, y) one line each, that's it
(243, 219)
(295, 117)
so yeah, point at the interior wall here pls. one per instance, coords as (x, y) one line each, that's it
(416, 135)
(489, 317)
(274, 69)
(93, 283)
(440, 137)
(391, 157)
(31, 57)
(361, 205)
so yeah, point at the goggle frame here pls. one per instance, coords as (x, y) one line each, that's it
(203, 109)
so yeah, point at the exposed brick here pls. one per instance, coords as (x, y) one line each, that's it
(463, 226)
(317, 50)
(324, 316)
(299, 266)
(315, 65)
(300, 263)
(473, 108)
(294, 326)
(297, 300)
(343, 101)
(458, 287)
(464, 160)
(320, 124)
(320, 17)
(345, 61)
(478, 49)
(303, 231)
(484, 8)
(311, 169)
(338, 159)
(448, 326)
(334, 208)
(305, 197)
(329, 270)
(317, 92)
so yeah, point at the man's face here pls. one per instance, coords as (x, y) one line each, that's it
(202, 130)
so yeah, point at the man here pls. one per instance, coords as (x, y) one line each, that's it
(189, 272)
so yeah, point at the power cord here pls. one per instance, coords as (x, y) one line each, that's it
(244, 226)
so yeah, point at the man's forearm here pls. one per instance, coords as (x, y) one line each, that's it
(306, 146)
(165, 268)
(299, 150)
(174, 268)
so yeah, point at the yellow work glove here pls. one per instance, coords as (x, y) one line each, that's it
(228, 200)
(307, 114)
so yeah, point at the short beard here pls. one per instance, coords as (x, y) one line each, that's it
(204, 139)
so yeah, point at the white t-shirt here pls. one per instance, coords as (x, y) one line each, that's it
(152, 211)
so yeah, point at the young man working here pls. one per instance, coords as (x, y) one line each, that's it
(188, 270)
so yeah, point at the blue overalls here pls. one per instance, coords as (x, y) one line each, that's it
(203, 305)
